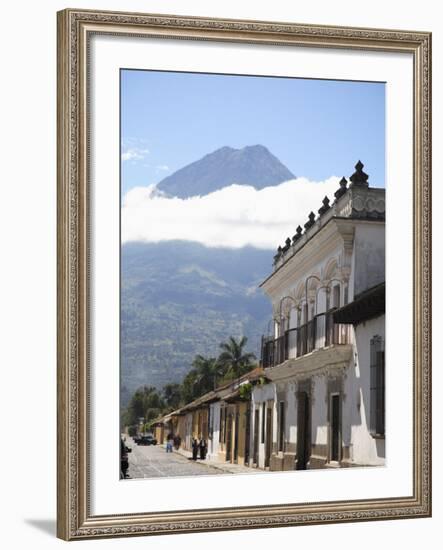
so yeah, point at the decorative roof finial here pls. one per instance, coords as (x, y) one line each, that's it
(325, 206)
(287, 245)
(279, 253)
(359, 178)
(297, 236)
(310, 221)
(342, 189)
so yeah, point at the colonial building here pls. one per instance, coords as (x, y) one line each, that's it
(367, 315)
(221, 417)
(318, 398)
(189, 422)
(230, 428)
(324, 405)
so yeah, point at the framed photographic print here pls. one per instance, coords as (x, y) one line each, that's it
(243, 274)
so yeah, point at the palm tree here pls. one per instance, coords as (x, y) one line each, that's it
(206, 370)
(234, 359)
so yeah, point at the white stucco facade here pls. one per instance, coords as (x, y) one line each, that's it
(262, 398)
(214, 430)
(317, 400)
(368, 450)
(319, 370)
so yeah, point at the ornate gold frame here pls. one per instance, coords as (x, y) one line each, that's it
(74, 29)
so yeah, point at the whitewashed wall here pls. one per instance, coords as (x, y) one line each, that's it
(319, 426)
(368, 260)
(215, 422)
(366, 449)
(262, 394)
(291, 415)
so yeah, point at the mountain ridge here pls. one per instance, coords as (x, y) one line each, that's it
(181, 298)
(251, 165)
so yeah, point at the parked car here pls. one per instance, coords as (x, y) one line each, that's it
(148, 440)
(137, 438)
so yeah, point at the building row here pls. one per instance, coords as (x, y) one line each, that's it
(318, 397)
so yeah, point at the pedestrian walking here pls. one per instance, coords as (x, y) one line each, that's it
(169, 441)
(195, 448)
(203, 448)
(177, 442)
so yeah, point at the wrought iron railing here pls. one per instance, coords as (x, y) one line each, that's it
(319, 332)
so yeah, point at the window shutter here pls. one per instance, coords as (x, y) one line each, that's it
(377, 386)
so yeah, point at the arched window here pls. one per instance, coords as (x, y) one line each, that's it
(336, 296)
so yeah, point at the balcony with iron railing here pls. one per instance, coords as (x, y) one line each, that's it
(320, 332)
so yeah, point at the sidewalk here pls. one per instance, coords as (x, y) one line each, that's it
(226, 467)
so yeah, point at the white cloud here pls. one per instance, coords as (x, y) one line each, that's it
(232, 217)
(162, 168)
(134, 153)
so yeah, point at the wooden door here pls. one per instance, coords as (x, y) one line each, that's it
(303, 431)
(236, 433)
(229, 421)
(247, 432)
(256, 435)
(268, 442)
(335, 433)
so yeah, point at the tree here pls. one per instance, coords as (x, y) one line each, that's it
(202, 378)
(132, 431)
(145, 403)
(189, 387)
(234, 359)
(172, 395)
(208, 370)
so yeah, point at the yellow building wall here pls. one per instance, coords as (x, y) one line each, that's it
(174, 423)
(241, 427)
(235, 429)
(222, 434)
(195, 427)
(181, 427)
(226, 447)
(200, 423)
(204, 418)
(158, 434)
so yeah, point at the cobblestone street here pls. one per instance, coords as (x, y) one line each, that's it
(154, 461)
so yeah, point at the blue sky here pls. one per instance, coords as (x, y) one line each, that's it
(317, 128)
